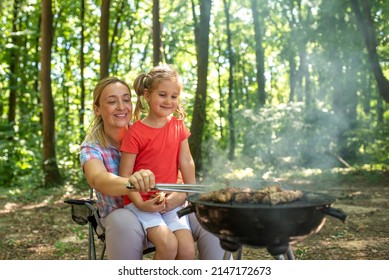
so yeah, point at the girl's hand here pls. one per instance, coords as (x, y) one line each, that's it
(152, 206)
(174, 200)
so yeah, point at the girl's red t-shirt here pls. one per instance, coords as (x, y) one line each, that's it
(157, 149)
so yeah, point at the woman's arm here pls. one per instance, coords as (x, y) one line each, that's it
(127, 162)
(106, 182)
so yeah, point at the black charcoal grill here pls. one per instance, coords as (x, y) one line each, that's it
(275, 227)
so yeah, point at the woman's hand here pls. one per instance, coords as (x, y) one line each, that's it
(143, 180)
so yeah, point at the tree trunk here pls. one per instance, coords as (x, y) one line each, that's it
(50, 168)
(115, 33)
(82, 69)
(231, 151)
(259, 55)
(292, 77)
(365, 25)
(380, 110)
(199, 114)
(13, 65)
(308, 88)
(300, 74)
(156, 34)
(65, 88)
(221, 95)
(104, 49)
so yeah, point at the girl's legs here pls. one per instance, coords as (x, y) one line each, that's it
(181, 229)
(157, 232)
(124, 235)
(186, 248)
(165, 242)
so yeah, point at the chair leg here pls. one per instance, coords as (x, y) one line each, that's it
(92, 248)
(290, 253)
(227, 255)
(103, 251)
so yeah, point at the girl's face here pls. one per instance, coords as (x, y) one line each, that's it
(163, 101)
(115, 106)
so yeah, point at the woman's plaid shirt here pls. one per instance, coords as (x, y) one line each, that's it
(111, 158)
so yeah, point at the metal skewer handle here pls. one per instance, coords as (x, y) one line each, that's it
(191, 188)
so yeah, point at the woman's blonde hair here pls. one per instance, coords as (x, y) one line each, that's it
(96, 132)
(150, 82)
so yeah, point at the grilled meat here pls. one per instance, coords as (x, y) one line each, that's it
(269, 195)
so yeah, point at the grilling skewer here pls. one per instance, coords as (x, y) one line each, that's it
(189, 188)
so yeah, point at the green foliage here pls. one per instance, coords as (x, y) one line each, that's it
(315, 45)
(301, 252)
(19, 161)
(63, 248)
(79, 232)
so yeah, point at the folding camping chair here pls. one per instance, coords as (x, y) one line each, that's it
(84, 211)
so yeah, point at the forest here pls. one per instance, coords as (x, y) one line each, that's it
(272, 88)
(269, 85)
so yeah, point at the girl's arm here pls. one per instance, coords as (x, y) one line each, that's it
(127, 162)
(186, 164)
(187, 168)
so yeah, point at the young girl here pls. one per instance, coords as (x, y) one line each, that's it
(159, 142)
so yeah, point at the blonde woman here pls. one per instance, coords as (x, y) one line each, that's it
(100, 158)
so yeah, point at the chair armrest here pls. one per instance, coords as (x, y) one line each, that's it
(79, 201)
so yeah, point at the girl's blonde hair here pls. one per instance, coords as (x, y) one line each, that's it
(150, 82)
(96, 132)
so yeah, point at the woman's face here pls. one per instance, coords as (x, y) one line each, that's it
(115, 106)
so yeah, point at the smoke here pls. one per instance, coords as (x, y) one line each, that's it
(275, 140)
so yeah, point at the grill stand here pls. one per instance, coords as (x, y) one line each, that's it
(237, 255)
(281, 251)
(278, 251)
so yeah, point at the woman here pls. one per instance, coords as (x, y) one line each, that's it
(100, 159)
